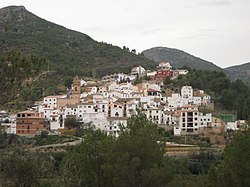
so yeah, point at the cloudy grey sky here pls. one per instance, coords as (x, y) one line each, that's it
(215, 30)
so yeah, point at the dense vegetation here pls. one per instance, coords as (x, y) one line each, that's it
(68, 52)
(240, 72)
(135, 158)
(15, 69)
(228, 96)
(25, 79)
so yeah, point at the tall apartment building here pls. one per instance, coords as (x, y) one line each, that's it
(189, 121)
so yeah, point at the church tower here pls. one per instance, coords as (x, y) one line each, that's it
(76, 92)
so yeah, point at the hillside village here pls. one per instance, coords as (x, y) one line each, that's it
(78, 112)
(107, 104)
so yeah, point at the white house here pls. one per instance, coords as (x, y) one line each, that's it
(9, 127)
(205, 120)
(155, 114)
(187, 92)
(118, 77)
(51, 101)
(138, 71)
(176, 101)
(114, 123)
(99, 120)
(237, 125)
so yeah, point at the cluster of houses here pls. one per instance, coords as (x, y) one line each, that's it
(109, 104)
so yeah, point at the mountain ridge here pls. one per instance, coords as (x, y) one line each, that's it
(241, 71)
(179, 58)
(64, 48)
(70, 52)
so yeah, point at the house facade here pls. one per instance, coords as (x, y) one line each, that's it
(29, 123)
(164, 70)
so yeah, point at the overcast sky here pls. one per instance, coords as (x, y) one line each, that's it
(214, 30)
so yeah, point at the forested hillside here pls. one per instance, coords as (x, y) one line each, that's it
(68, 52)
(240, 72)
(25, 79)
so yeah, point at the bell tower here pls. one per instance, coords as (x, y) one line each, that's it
(76, 92)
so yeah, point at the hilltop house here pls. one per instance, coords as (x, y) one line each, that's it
(164, 70)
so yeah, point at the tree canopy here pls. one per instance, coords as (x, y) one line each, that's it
(135, 158)
(235, 168)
